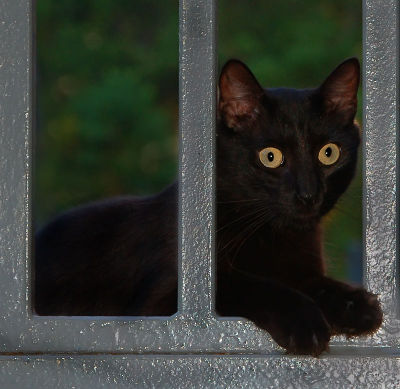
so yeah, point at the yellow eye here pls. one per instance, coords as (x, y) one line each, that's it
(329, 154)
(271, 157)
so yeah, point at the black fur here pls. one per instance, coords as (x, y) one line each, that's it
(119, 257)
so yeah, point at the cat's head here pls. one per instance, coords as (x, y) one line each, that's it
(295, 151)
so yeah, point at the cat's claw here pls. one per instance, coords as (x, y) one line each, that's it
(314, 346)
(349, 305)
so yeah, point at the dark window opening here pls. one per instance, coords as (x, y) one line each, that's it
(106, 160)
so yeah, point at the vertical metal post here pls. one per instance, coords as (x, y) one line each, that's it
(197, 128)
(16, 34)
(381, 70)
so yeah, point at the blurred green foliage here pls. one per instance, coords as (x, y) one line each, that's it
(108, 90)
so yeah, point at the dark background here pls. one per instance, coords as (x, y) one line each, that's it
(108, 93)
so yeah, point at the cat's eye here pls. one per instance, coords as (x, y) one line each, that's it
(329, 154)
(271, 157)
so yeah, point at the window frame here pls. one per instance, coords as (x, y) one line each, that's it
(67, 344)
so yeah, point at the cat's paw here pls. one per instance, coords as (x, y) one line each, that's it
(352, 311)
(303, 330)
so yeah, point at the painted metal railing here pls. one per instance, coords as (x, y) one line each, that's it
(194, 348)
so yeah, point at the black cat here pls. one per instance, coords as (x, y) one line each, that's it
(284, 157)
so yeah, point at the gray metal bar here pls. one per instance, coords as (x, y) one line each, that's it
(381, 124)
(15, 157)
(166, 371)
(197, 128)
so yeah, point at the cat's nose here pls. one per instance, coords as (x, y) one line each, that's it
(307, 198)
(306, 188)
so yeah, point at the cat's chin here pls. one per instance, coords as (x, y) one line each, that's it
(303, 225)
(299, 223)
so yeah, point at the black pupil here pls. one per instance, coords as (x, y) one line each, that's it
(270, 156)
(328, 152)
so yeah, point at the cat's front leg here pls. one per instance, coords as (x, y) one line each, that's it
(293, 320)
(297, 324)
(350, 310)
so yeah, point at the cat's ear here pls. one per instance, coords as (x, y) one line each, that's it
(339, 90)
(239, 95)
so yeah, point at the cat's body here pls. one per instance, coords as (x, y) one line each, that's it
(91, 261)
(120, 257)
